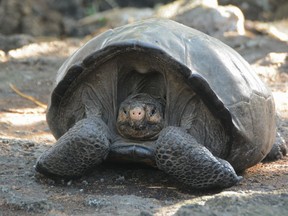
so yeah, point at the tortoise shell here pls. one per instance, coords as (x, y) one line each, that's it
(168, 60)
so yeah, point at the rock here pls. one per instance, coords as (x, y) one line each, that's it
(281, 11)
(237, 203)
(3, 57)
(123, 205)
(14, 41)
(69, 8)
(30, 17)
(120, 180)
(48, 24)
(181, 6)
(214, 21)
(271, 66)
(35, 203)
(205, 16)
(117, 17)
(273, 58)
(260, 10)
(10, 16)
(96, 202)
(43, 17)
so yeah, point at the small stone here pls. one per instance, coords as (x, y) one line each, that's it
(30, 144)
(120, 179)
(84, 182)
(144, 213)
(4, 141)
(69, 183)
(97, 203)
(50, 182)
(15, 187)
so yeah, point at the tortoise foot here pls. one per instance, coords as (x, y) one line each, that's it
(179, 154)
(278, 151)
(84, 146)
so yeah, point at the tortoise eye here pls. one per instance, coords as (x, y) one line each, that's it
(153, 111)
(125, 111)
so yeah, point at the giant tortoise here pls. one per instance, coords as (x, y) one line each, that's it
(163, 94)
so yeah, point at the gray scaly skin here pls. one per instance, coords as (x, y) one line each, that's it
(140, 118)
(84, 146)
(179, 154)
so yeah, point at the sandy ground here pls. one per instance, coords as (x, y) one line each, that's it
(116, 189)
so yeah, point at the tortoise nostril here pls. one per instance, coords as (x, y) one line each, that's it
(137, 113)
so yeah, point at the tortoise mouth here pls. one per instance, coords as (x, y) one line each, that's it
(139, 131)
(137, 125)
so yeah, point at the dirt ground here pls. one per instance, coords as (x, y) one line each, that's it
(123, 189)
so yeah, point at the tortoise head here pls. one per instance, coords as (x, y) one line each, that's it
(140, 117)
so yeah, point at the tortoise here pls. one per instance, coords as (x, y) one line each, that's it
(163, 94)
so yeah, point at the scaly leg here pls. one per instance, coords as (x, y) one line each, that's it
(82, 147)
(178, 154)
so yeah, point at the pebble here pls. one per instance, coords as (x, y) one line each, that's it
(14, 187)
(69, 183)
(144, 213)
(96, 202)
(4, 141)
(84, 182)
(50, 182)
(120, 179)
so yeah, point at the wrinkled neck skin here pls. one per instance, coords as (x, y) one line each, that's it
(140, 117)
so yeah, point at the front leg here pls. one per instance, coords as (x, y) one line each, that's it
(82, 147)
(180, 155)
